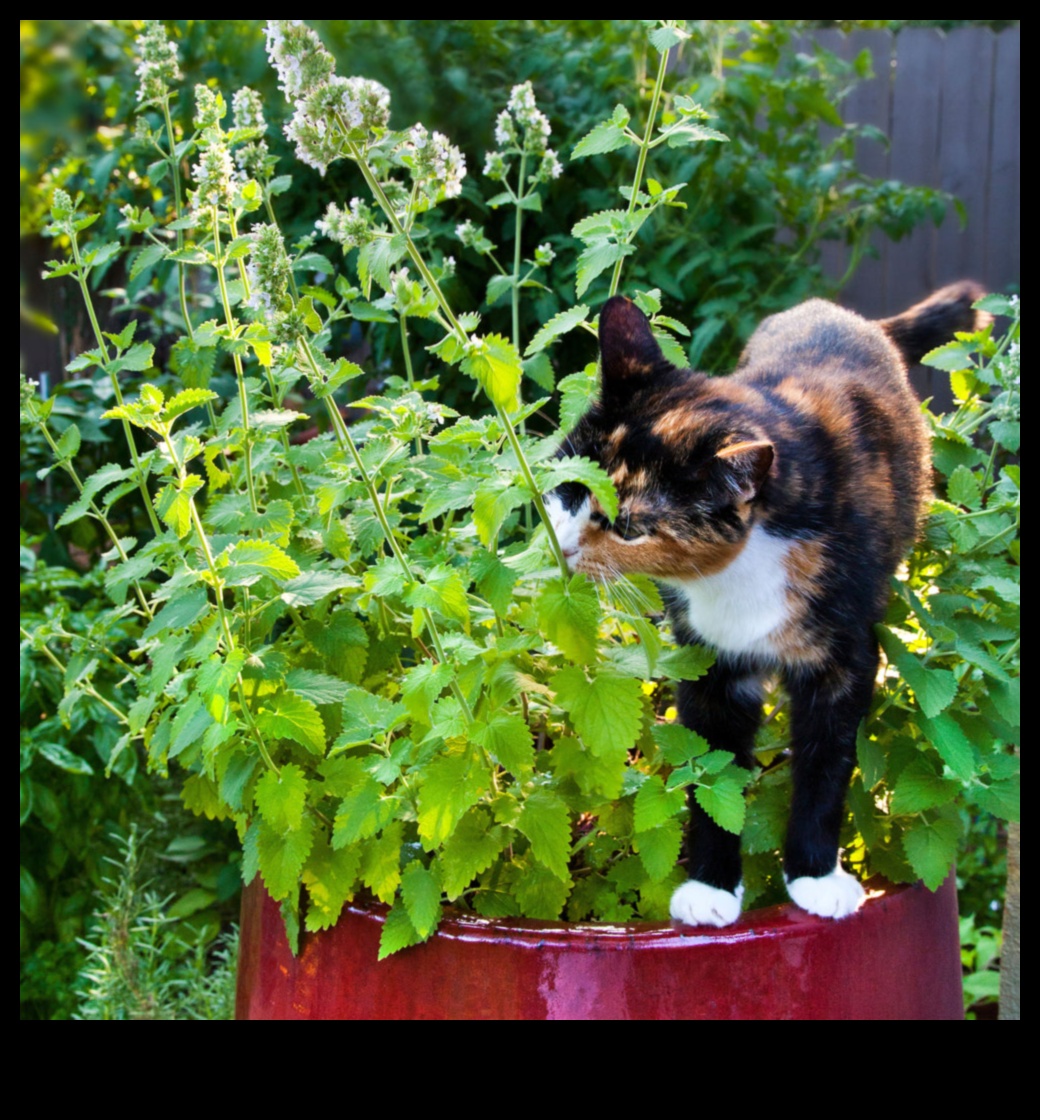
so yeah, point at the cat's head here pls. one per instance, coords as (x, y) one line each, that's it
(687, 463)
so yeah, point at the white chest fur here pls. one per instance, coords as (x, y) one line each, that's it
(739, 609)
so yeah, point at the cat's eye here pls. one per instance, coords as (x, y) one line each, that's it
(627, 529)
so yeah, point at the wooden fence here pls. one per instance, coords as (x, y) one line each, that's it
(950, 105)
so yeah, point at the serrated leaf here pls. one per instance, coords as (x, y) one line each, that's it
(69, 443)
(494, 500)
(576, 468)
(471, 849)
(281, 858)
(568, 613)
(201, 796)
(497, 287)
(74, 511)
(539, 369)
(189, 725)
(185, 401)
(452, 785)
(507, 738)
(607, 136)
(934, 688)
(545, 821)
(654, 804)
(679, 744)
(329, 878)
(919, 787)
(963, 488)
(179, 613)
(495, 363)
(363, 812)
(541, 893)
(318, 688)
(577, 391)
(931, 847)
(444, 591)
(287, 716)
(687, 663)
(598, 255)
(606, 711)
(249, 561)
(421, 894)
(381, 862)
(952, 356)
(954, 747)
(558, 325)
(658, 848)
(309, 588)
(723, 801)
(137, 358)
(174, 507)
(495, 580)
(148, 256)
(281, 798)
(398, 931)
(1002, 798)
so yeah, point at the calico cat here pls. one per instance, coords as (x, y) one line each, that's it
(772, 507)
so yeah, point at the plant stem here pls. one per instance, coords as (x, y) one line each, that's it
(85, 685)
(239, 374)
(100, 338)
(644, 149)
(175, 172)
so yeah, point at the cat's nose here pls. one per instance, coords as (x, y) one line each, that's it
(570, 553)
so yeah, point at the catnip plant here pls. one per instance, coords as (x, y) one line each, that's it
(366, 649)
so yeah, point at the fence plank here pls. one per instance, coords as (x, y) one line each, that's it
(964, 134)
(1004, 220)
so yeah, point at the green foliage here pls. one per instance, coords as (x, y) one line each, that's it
(365, 649)
(138, 967)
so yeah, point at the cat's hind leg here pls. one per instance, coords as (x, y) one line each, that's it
(826, 708)
(725, 707)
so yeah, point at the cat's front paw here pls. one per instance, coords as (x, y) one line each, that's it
(830, 896)
(697, 904)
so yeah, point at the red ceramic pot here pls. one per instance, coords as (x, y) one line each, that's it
(897, 958)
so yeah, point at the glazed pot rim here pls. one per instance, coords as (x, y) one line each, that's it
(779, 921)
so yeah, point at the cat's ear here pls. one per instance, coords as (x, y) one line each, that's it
(628, 349)
(746, 464)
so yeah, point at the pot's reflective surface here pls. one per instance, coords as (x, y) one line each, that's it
(897, 958)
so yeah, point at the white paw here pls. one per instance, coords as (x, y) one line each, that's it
(697, 904)
(831, 896)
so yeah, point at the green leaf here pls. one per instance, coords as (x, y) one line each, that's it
(606, 711)
(73, 512)
(60, 756)
(179, 613)
(497, 287)
(286, 716)
(507, 738)
(577, 468)
(1001, 798)
(934, 688)
(568, 613)
(318, 688)
(654, 804)
(954, 747)
(495, 580)
(185, 401)
(246, 562)
(607, 136)
(281, 798)
(453, 784)
(952, 356)
(363, 812)
(148, 256)
(421, 894)
(931, 847)
(495, 499)
(541, 893)
(193, 360)
(398, 931)
(558, 325)
(495, 363)
(599, 255)
(919, 787)
(471, 849)
(138, 358)
(539, 369)
(189, 724)
(329, 877)
(577, 391)
(964, 489)
(442, 590)
(69, 443)
(545, 821)
(679, 744)
(281, 858)
(174, 507)
(381, 862)
(309, 588)
(723, 801)
(687, 663)
(658, 848)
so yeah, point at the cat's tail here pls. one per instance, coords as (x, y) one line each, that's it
(933, 321)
